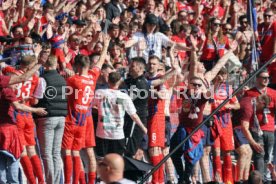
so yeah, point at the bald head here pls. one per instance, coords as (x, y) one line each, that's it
(115, 161)
(111, 168)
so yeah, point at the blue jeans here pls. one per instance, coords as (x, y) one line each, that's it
(50, 132)
(9, 169)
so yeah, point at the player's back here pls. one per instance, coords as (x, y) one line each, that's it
(81, 92)
(24, 91)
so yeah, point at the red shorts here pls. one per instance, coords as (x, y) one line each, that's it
(156, 131)
(73, 137)
(89, 134)
(25, 125)
(226, 140)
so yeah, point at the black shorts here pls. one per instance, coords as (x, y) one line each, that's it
(209, 64)
(135, 141)
(168, 131)
(105, 146)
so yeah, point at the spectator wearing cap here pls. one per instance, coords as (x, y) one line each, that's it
(150, 40)
(80, 25)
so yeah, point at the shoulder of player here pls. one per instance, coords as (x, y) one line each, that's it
(95, 69)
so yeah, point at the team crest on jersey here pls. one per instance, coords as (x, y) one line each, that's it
(186, 105)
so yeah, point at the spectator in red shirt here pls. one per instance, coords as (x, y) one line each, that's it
(266, 119)
(180, 36)
(10, 145)
(267, 38)
(215, 44)
(267, 34)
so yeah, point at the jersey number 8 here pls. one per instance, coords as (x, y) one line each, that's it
(86, 94)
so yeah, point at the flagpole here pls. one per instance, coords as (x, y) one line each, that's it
(254, 57)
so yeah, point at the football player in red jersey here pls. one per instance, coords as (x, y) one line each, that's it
(81, 90)
(224, 142)
(156, 119)
(29, 159)
(90, 137)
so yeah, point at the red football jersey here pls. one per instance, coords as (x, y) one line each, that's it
(155, 104)
(81, 94)
(24, 90)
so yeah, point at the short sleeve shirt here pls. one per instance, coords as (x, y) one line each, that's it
(81, 93)
(254, 92)
(112, 105)
(245, 113)
(154, 43)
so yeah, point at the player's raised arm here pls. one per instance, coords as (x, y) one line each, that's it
(20, 78)
(101, 61)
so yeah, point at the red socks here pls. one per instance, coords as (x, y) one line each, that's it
(68, 168)
(28, 169)
(161, 170)
(217, 167)
(155, 175)
(91, 177)
(76, 169)
(227, 173)
(37, 167)
(82, 177)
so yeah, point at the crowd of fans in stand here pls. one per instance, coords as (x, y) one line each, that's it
(135, 77)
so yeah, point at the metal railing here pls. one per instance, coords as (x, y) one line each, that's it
(146, 177)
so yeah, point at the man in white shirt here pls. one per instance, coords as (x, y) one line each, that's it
(112, 105)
